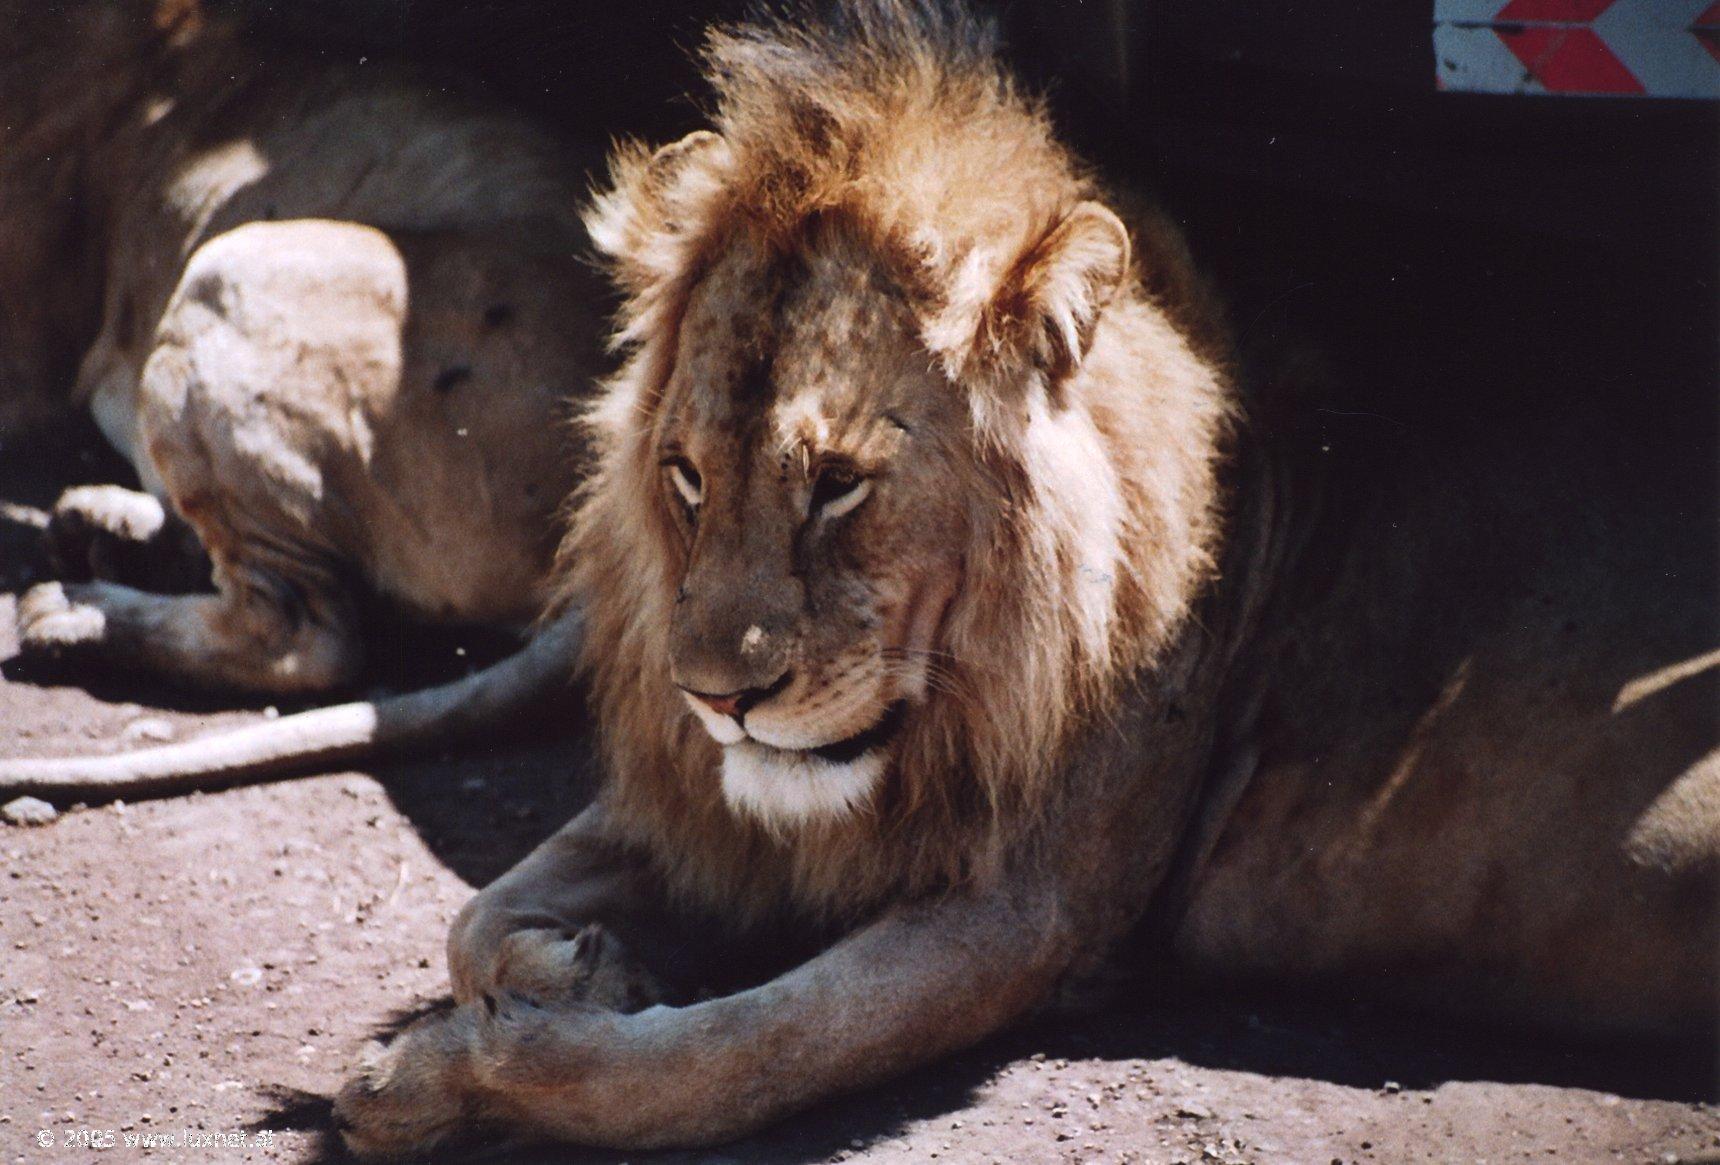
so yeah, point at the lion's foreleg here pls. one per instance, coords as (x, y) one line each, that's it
(920, 982)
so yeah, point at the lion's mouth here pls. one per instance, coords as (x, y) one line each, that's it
(784, 787)
(848, 751)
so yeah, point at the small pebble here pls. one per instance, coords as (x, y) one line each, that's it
(28, 811)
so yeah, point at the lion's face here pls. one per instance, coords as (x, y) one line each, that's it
(809, 457)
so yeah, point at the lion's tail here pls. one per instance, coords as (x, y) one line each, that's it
(311, 740)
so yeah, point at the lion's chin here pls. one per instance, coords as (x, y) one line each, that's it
(784, 789)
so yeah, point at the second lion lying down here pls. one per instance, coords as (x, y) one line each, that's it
(942, 621)
(336, 316)
(342, 317)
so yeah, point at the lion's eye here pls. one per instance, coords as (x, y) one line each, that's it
(838, 490)
(686, 480)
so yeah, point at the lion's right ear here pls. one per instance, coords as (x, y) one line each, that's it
(1046, 307)
(1067, 281)
(650, 221)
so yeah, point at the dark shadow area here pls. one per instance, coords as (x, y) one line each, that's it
(482, 808)
(35, 468)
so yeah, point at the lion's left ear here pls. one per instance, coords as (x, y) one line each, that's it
(651, 219)
(1064, 283)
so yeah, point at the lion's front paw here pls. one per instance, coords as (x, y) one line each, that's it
(112, 534)
(94, 526)
(556, 968)
(406, 1097)
(52, 619)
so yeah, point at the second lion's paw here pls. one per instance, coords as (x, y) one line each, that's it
(51, 619)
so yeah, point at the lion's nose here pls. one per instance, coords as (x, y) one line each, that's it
(738, 704)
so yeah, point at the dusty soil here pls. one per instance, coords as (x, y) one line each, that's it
(202, 970)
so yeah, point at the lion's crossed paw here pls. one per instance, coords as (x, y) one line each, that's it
(557, 968)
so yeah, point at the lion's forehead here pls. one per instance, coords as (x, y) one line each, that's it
(820, 352)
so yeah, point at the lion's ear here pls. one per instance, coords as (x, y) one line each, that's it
(1066, 281)
(656, 206)
(677, 160)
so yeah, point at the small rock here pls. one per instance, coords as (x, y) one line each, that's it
(1393, 1086)
(1198, 1111)
(28, 811)
(247, 976)
(150, 728)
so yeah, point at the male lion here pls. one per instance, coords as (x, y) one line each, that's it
(341, 313)
(942, 622)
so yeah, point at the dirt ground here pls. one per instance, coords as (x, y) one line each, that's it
(201, 970)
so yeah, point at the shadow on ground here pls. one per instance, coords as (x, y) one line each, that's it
(1277, 1034)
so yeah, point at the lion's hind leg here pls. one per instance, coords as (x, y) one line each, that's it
(255, 415)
